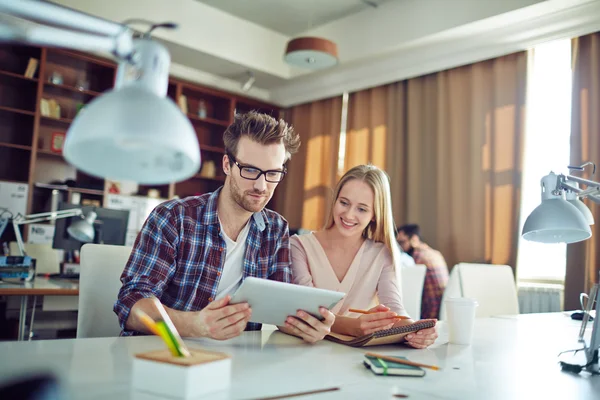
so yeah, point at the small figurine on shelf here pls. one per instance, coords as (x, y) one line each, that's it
(56, 78)
(182, 101)
(202, 109)
(82, 84)
(208, 169)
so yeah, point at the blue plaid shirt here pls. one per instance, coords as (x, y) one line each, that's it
(179, 255)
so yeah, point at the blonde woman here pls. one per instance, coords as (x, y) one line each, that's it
(356, 253)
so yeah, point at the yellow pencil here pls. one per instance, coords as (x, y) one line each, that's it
(354, 310)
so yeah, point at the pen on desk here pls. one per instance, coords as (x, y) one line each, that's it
(402, 361)
(354, 310)
(285, 396)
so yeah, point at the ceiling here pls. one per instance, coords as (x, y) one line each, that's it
(217, 41)
(292, 17)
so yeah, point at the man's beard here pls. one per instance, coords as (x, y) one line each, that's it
(245, 203)
(410, 251)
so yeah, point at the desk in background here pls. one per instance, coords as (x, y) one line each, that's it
(511, 358)
(38, 287)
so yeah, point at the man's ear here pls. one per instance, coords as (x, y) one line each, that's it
(226, 164)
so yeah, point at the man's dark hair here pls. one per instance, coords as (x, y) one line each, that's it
(410, 230)
(263, 129)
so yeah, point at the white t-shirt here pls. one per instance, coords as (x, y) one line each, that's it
(233, 269)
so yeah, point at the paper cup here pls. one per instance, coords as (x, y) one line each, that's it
(461, 318)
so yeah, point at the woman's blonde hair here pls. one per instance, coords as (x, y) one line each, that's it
(382, 229)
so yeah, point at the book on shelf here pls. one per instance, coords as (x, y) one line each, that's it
(390, 368)
(31, 67)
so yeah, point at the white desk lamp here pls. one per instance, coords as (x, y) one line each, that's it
(133, 132)
(82, 230)
(563, 218)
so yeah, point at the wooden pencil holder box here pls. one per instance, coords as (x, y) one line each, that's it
(161, 373)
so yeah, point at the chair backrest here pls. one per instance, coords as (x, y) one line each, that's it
(452, 289)
(492, 285)
(412, 279)
(99, 285)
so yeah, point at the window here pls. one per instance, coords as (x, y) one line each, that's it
(547, 146)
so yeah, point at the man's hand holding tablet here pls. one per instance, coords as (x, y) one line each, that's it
(297, 310)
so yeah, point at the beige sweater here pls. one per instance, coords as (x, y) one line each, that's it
(371, 274)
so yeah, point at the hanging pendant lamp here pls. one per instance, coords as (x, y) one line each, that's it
(311, 53)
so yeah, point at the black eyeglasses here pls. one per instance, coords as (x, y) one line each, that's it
(253, 173)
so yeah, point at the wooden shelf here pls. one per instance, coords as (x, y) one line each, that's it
(15, 146)
(17, 111)
(71, 89)
(18, 76)
(95, 192)
(215, 179)
(66, 121)
(13, 181)
(212, 149)
(212, 121)
(65, 188)
(49, 153)
(23, 129)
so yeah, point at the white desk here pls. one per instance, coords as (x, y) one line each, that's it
(511, 358)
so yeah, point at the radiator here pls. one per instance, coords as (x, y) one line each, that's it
(540, 298)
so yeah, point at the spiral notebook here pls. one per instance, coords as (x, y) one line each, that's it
(389, 336)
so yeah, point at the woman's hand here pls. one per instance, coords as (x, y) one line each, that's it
(423, 338)
(382, 318)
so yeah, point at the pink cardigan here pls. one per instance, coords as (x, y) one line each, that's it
(370, 276)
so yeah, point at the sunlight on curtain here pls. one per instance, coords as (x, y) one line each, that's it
(547, 146)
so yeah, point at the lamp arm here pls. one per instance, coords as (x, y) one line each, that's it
(103, 35)
(586, 182)
(47, 216)
(41, 217)
(55, 14)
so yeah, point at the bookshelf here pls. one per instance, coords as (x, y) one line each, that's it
(39, 100)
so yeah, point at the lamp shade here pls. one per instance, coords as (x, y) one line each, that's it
(132, 134)
(556, 220)
(83, 229)
(311, 53)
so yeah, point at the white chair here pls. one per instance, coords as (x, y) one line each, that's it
(99, 284)
(492, 285)
(412, 279)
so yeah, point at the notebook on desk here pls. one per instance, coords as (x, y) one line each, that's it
(387, 336)
(390, 368)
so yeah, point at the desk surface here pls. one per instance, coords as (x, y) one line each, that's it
(40, 287)
(511, 358)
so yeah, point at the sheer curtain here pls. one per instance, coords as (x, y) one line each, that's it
(546, 149)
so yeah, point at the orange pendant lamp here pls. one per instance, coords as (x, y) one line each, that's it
(311, 53)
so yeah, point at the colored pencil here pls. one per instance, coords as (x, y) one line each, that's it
(354, 310)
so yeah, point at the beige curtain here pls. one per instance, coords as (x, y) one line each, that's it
(452, 143)
(306, 191)
(583, 258)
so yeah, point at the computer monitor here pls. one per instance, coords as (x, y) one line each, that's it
(110, 227)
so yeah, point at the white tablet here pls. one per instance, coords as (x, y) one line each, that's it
(272, 301)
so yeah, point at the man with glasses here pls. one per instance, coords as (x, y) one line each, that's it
(192, 254)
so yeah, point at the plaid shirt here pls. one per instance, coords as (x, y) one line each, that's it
(179, 255)
(436, 279)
